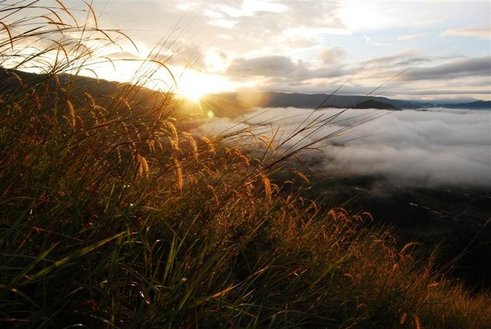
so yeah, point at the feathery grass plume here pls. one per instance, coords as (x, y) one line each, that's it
(179, 174)
(189, 137)
(174, 136)
(209, 143)
(143, 169)
(71, 114)
(301, 175)
(268, 191)
(417, 322)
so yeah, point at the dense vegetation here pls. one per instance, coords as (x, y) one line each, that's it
(112, 215)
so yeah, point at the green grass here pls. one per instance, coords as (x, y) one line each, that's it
(112, 215)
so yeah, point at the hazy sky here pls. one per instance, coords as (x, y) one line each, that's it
(314, 46)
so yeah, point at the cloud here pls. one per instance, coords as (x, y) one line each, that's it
(468, 67)
(421, 148)
(278, 69)
(409, 148)
(405, 58)
(187, 56)
(448, 92)
(237, 9)
(369, 41)
(427, 75)
(123, 55)
(240, 27)
(483, 32)
(407, 37)
(270, 66)
(332, 55)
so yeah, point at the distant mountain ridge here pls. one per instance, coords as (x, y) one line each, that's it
(235, 103)
(484, 105)
(279, 99)
(341, 101)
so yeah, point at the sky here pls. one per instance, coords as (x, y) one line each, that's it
(315, 46)
(435, 49)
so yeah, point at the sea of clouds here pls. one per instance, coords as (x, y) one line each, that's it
(431, 148)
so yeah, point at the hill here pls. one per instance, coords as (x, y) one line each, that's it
(373, 104)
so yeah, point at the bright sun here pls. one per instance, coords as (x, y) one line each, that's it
(190, 84)
(192, 91)
(194, 85)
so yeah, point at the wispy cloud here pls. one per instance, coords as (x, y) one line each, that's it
(411, 36)
(468, 67)
(483, 32)
(369, 41)
(405, 58)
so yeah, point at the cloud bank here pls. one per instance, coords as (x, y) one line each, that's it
(440, 147)
(422, 148)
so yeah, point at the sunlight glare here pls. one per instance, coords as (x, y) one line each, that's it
(192, 92)
(193, 85)
(189, 84)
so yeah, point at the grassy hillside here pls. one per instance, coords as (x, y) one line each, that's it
(112, 215)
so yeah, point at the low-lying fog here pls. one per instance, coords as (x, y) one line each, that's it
(437, 147)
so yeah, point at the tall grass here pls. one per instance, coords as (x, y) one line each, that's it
(112, 215)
